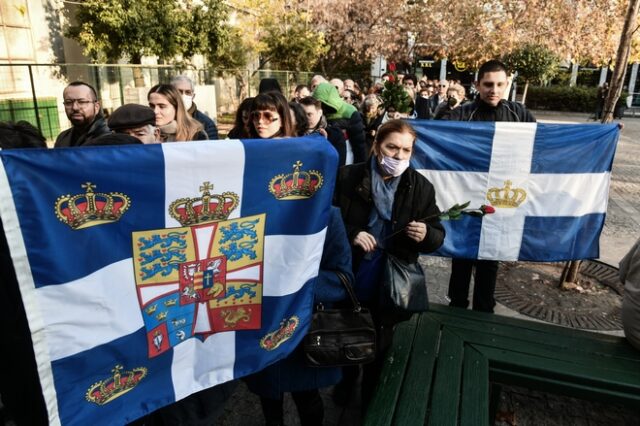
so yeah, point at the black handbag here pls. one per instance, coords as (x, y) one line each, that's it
(339, 337)
(403, 285)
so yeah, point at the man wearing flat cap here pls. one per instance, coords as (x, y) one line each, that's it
(136, 120)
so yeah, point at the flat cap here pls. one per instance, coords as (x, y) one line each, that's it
(130, 116)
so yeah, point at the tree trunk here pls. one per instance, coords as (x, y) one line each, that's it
(570, 274)
(622, 59)
(524, 93)
(138, 77)
(571, 269)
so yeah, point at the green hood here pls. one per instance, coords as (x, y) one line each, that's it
(328, 95)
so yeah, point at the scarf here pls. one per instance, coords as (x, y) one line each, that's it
(168, 131)
(383, 193)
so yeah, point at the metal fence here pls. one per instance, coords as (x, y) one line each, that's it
(33, 92)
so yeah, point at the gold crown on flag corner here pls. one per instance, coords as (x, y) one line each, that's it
(117, 385)
(297, 185)
(91, 208)
(506, 196)
(208, 208)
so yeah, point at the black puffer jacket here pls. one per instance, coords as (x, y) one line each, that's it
(77, 137)
(415, 199)
(480, 111)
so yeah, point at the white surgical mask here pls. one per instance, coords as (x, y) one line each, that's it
(393, 167)
(188, 101)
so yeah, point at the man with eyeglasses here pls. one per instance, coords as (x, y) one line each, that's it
(184, 85)
(85, 114)
(439, 97)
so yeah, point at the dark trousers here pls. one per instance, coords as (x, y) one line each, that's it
(308, 403)
(485, 283)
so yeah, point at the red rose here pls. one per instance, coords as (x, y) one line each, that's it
(487, 209)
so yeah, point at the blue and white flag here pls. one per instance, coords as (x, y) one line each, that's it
(549, 184)
(149, 273)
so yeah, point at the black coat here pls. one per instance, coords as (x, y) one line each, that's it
(481, 111)
(415, 199)
(354, 127)
(77, 137)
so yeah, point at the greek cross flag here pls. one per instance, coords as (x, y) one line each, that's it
(549, 184)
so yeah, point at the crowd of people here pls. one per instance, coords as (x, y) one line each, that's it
(380, 206)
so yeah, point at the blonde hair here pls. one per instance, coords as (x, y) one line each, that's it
(187, 126)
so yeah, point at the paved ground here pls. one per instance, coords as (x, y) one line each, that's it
(622, 228)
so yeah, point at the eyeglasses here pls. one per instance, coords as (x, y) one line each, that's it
(186, 92)
(268, 116)
(81, 102)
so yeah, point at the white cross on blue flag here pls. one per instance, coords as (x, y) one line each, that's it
(149, 273)
(549, 184)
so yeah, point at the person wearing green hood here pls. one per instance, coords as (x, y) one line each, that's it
(344, 116)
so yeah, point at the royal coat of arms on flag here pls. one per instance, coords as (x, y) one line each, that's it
(149, 273)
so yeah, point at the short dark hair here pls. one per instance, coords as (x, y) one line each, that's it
(82, 83)
(491, 66)
(309, 101)
(411, 77)
(20, 135)
(302, 123)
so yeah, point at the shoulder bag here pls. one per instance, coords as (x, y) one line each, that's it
(339, 337)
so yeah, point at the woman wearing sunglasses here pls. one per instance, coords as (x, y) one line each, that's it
(270, 117)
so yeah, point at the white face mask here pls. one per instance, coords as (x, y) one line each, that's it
(188, 101)
(393, 167)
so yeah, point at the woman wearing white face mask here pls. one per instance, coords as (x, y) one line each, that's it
(387, 207)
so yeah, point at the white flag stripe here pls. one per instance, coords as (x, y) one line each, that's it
(296, 257)
(188, 166)
(511, 155)
(15, 242)
(108, 311)
(203, 238)
(574, 194)
(148, 293)
(501, 236)
(202, 319)
(198, 365)
(252, 273)
(457, 187)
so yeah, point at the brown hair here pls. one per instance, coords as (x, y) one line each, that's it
(273, 101)
(187, 126)
(393, 126)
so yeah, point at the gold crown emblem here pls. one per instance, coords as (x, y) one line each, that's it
(208, 208)
(274, 339)
(296, 185)
(120, 383)
(91, 208)
(506, 197)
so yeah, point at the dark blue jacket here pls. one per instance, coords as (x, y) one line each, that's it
(209, 126)
(292, 374)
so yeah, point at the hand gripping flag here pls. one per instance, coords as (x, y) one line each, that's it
(149, 273)
(549, 184)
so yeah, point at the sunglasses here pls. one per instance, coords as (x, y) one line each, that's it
(442, 85)
(268, 116)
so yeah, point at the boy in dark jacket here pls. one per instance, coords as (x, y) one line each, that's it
(489, 106)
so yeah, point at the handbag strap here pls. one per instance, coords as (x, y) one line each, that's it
(352, 294)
